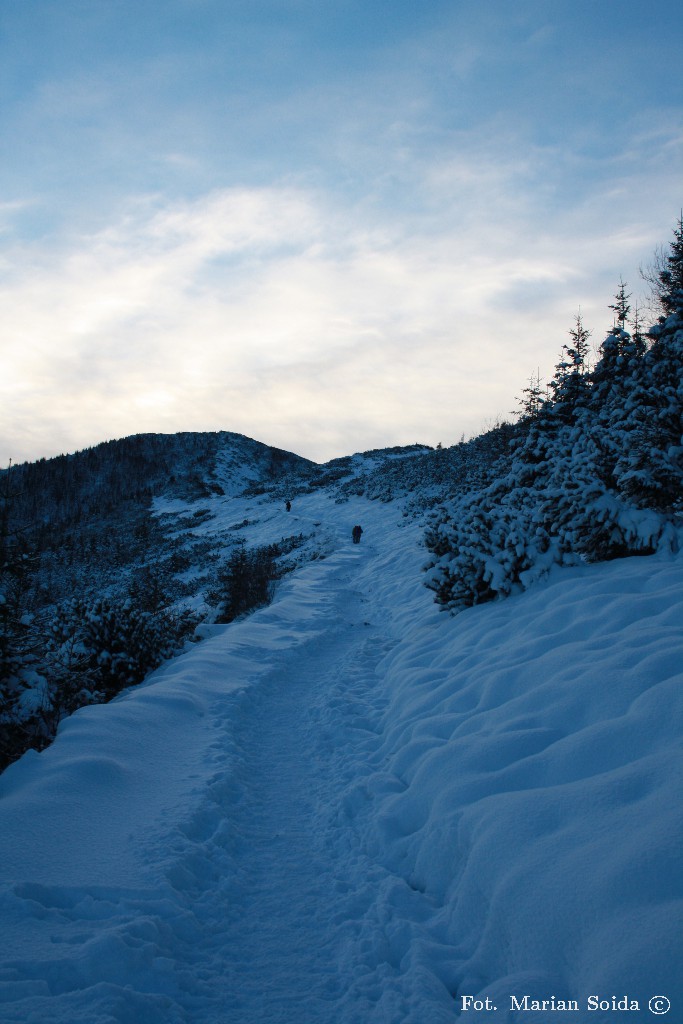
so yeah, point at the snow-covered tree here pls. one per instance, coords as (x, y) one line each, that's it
(671, 275)
(598, 474)
(533, 397)
(570, 382)
(246, 581)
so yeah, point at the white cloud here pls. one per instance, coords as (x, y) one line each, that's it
(311, 322)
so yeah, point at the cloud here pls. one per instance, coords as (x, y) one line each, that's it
(319, 320)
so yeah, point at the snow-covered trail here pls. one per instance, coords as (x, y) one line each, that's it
(209, 871)
(278, 905)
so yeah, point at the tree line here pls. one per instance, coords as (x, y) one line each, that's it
(594, 467)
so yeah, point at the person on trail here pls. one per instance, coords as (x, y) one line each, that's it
(356, 532)
(288, 506)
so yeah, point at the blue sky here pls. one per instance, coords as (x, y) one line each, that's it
(327, 225)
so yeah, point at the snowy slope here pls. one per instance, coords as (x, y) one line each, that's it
(350, 807)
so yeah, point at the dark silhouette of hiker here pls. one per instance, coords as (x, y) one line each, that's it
(356, 532)
(288, 506)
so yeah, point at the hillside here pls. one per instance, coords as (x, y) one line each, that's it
(96, 503)
(80, 545)
(350, 807)
(112, 557)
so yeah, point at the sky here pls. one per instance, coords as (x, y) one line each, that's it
(330, 225)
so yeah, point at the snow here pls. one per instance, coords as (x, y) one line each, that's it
(351, 807)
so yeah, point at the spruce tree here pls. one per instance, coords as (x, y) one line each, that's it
(578, 352)
(621, 307)
(532, 398)
(570, 383)
(672, 276)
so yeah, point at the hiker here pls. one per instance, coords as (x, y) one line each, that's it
(357, 530)
(288, 506)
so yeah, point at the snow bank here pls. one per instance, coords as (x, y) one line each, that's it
(530, 788)
(353, 808)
